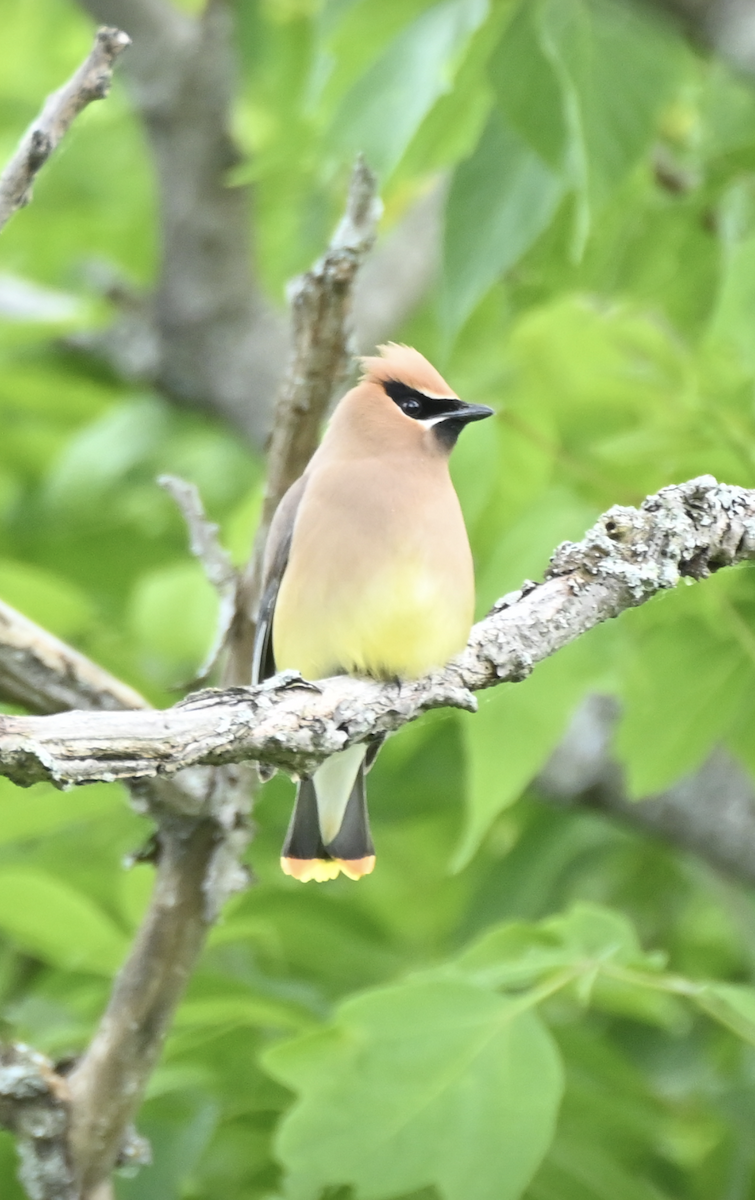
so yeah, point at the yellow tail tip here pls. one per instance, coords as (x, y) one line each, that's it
(355, 868)
(320, 870)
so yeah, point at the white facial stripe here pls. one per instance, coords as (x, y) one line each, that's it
(428, 422)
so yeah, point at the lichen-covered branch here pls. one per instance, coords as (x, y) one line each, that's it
(321, 303)
(35, 1106)
(688, 529)
(90, 82)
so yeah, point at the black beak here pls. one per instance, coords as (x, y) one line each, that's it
(473, 412)
(447, 429)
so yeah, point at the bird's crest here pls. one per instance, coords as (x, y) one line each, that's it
(404, 364)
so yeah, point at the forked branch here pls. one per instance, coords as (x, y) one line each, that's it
(202, 813)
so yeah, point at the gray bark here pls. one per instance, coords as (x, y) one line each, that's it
(710, 813)
(202, 813)
(91, 82)
(686, 530)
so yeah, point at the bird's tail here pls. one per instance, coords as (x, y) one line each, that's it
(330, 827)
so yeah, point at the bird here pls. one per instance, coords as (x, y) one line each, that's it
(368, 572)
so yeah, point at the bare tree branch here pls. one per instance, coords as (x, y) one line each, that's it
(41, 673)
(220, 571)
(201, 832)
(91, 82)
(123, 1053)
(202, 814)
(34, 1105)
(199, 860)
(399, 271)
(321, 303)
(710, 813)
(207, 338)
(628, 556)
(688, 530)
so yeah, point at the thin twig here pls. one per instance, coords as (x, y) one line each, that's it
(208, 337)
(631, 554)
(218, 568)
(321, 302)
(91, 82)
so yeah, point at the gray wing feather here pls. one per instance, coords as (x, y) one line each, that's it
(276, 560)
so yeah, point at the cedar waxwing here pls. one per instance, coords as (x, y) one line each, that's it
(367, 571)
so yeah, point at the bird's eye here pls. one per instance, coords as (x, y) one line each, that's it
(411, 407)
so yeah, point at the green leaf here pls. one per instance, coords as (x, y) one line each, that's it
(41, 810)
(623, 998)
(681, 693)
(255, 1010)
(103, 453)
(356, 33)
(517, 953)
(453, 126)
(53, 602)
(527, 87)
(516, 728)
(382, 112)
(61, 925)
(172, 616)
(524, 550)
(423, 1083)
(501, 200)
(732, 318)
(513, 955)
(731, 1004)
(596, 932)
(615, 69)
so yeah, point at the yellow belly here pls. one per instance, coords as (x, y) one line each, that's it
(401, 625)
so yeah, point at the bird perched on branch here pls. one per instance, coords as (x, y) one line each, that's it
(367, 571)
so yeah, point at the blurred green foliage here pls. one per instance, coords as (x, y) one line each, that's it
(478, 1018)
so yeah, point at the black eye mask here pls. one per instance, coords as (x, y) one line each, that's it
(419, 406)
(446, 415)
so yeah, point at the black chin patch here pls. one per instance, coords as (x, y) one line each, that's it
(448, 431)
